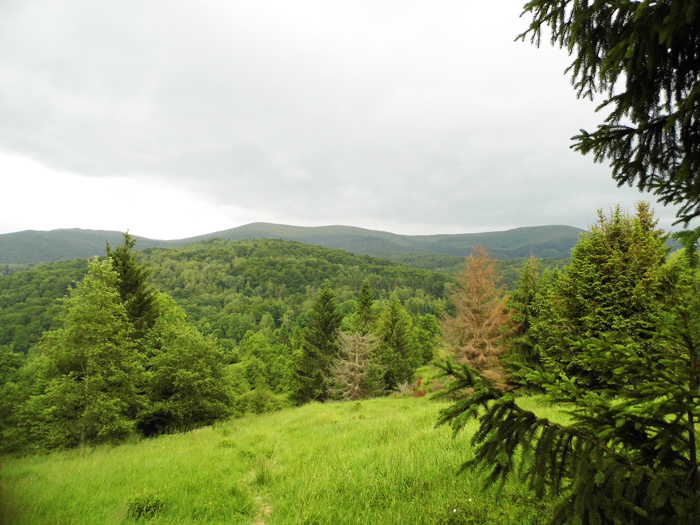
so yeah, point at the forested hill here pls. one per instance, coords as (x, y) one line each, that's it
(541, 241)
(227, 287)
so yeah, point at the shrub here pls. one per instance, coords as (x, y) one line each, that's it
(145, 505)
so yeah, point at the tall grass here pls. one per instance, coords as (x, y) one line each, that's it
(376, 462)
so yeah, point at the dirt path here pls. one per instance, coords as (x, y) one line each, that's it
(265, 511)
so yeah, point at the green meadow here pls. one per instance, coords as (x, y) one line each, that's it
(380, 461)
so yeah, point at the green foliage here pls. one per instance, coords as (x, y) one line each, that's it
(28, 305)
(226, 287)
(318, 350)
(612, 288)
(136, 294)
(642, 58)
(186, 384)
(628, 454)
(260, 359)
(11, 394)
(145, 505)
(428, 337)
(365, 317)
(523, 349)
(511, 271)
(261, 400)
(397, 351)
(229, 287)
(89, 369)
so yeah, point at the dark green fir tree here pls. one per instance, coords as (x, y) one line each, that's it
(523, 349)
(365, 316)
(135, 292)
(319, 349)
(397, 351)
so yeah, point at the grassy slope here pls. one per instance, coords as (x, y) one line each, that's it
(379, 463)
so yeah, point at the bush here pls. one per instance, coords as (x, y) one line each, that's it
(145, 505)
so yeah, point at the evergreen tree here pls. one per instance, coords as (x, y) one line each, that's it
(629, 453)
(365, 316)
(428, 333)
(548, 327)
(135, 292)
(475, 335)
(89, 371)
(354, 376)
(611, 289)
(523, 347)
(319, 349)
(642, 57)
(397, 352)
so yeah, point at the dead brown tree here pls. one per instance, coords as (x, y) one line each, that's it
(353, 370)
(482, 321)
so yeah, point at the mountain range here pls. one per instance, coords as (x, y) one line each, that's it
(541, 241)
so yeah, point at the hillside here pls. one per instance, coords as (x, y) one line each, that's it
(541, 241)
(381, 461)
(227, 287)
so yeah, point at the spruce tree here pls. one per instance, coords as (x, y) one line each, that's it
(611, 289)
(428, 337)
(135, 292)
(641, 57)
(365, 316)
(397, 351)
(89, 370)
(522, 346)
(319, 349)
(477, 332)
(354, 377)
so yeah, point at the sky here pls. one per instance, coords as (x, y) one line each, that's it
(177, 118)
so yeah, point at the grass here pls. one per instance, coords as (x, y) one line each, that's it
(375, 462)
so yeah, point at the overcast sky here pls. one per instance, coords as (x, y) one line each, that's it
(177, 118)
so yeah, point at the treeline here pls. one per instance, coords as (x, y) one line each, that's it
(508, 269)
(170, 339)
(121, 357)
(29, 302)
(229, 288)
(124, 359)
(226, 287)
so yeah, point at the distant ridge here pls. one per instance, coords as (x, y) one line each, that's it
(542, 241)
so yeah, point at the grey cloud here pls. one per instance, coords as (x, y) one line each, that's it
(365, 113)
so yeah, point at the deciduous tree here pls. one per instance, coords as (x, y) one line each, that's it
(186, 384)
